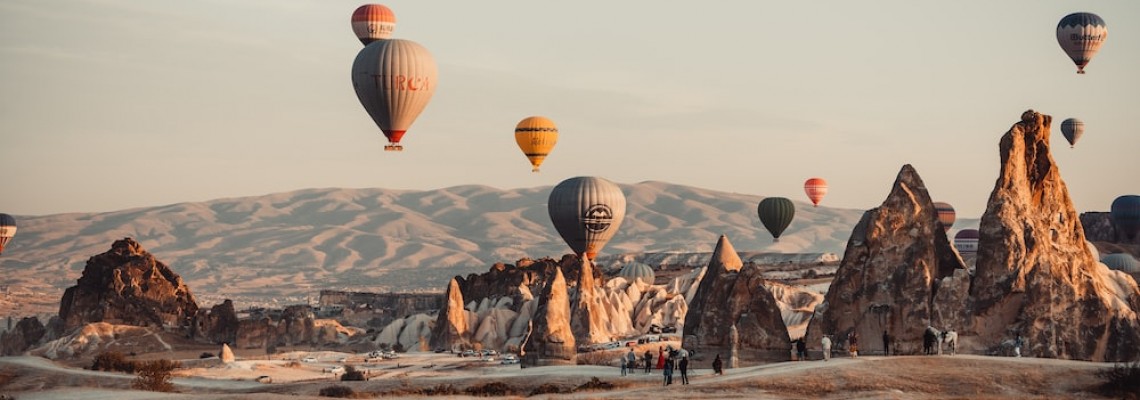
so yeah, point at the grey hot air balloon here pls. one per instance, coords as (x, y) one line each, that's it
(1072, 129)
(586, 211)
(394, 80)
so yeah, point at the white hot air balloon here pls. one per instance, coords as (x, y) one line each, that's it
(586, 211)
(394, 80)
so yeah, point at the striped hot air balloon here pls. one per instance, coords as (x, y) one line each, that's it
(815, 188)
(372, 22)
(586, 211)
(1081, 35)
(966, 241)
(7, 230)
(394, 80)
(1072, 129)
(536, 137)
(776, 213)
(946, 214)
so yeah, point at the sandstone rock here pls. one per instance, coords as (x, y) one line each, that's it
(733, 297)
(1035, 276)
(451, 329)
(127, 285)
(27, 333)
(588, 317)
(890, 275)
(219, 324)
(550, 340)
(227, 355)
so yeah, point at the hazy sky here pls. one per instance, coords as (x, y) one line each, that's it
(107, 105)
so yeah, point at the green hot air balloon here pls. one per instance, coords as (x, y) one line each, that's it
(586, 211)
(776, 214)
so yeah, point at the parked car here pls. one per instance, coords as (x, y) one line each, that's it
(309, 359)
(264, 379)
(390, 355)
(489, 353)
(335, 369)
(467, 353)
(509, 359)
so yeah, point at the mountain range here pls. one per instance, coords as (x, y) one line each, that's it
(295, 243)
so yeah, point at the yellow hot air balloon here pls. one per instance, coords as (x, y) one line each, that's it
(536, 137)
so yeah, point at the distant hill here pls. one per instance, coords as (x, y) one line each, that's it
(293, 244)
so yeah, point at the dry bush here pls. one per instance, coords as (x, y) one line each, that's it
(491, 389)
(155, 376)
(547, 388)
(595, 384)
(293, 364)
(337, 391)
(352, 374)
(113, 361)
(1121, 380)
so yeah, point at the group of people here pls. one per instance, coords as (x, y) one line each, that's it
(668, 361)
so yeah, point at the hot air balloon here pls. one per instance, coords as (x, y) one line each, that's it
(394, 80)
(7, 230)
(946, 214)
(372, 22)
(586, 211)
(536, 137)
(1072, 128)
(1125, 214)
(815, 188)
(966, 241)
(1121, 262)
(1081, 35)
(776, 214)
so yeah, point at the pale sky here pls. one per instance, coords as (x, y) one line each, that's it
(107, 105)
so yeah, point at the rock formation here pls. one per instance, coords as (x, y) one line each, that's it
(28, 332)
(588, 317)
(891, 273)
(295, 325)
(550, 340)
(1035, 276)
(226, 355)
(219, 324)
(731, 296)
(451, 328)
(127, 285)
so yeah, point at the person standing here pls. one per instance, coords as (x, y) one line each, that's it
(631, 361)
(648, 357)
(826, 343)
(801, 349)
(667, 369)
(684, 365)
(718, 366)
(660, 357)
(853, 344)
(886, 344)
(1017, 343)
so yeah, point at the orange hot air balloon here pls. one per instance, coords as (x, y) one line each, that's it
(372, 22)
(946, 214)
(536, 136)
(815, 188)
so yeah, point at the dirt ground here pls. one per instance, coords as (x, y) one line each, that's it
(909, 377)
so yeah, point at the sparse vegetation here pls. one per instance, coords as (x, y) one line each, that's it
(113, 361)
(1121, 380)
(352, 374)
(595, 384)
(547, 388)
(491, 389)
(155, 375)
(337, 391)
(604, 357)
(206, 355)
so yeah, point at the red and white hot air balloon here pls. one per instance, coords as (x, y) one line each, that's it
(394, 80)
(372, 22)
(815, 188)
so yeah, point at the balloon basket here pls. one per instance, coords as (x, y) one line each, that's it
(534, 170)
(393, 147)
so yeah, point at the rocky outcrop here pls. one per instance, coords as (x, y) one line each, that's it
(128, 286)
(896, 260)
(451, 328)
(588, 317)
(226, 355)
(295, 325)
(1035, 276)
(550, 340)
(27, 333)
(734, 297)
(219, 324)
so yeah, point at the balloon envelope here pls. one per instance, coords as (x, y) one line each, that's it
(1081, 35)
(394, 80)
(372, 22)
(1125, 214)
(946, 214)
(966, 241)
(586, 211)
(7, 230)
(815, 188)
(1121, 262)
(1072, 129)
(776, 213)
(536, 136)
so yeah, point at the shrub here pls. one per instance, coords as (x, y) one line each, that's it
(155, 376)
(337, 391)
(206, 355)
(113, 361)
(1121, 380)
(546, 388)
(595, 384)
(399, 348)
(352, 374)
(492, 389)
